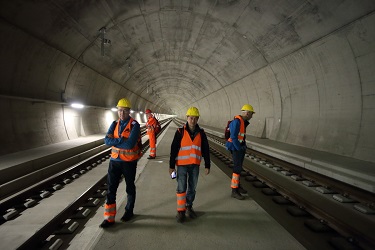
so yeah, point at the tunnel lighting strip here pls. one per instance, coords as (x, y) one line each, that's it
(77, 105)
(34, 100)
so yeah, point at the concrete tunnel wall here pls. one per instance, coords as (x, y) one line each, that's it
(319, 97)
(316, 92)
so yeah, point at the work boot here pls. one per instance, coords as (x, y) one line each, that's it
(106, 224)
(180, 216)
(190, 212)
(236, 194)
(127, 216)
(151, 157)
(242, 190)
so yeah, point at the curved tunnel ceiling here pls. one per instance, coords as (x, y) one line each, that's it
(210, 44)
(298, 62)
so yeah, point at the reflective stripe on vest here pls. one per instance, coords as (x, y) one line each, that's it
(242, 132)
(181, 201)
(110, 212)
(235, 180)
(190, 151)
(126, 154)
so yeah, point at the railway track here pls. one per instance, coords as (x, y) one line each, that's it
(62, 227)
(333, 205)
(327, 204)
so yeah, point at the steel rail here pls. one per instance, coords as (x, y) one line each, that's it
(352, 224)
(39, 239)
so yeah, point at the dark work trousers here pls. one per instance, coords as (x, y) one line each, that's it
(238, 158)
(128, 170)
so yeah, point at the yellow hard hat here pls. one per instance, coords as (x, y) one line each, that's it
(124, 103)
(247, 107)
(192, 111)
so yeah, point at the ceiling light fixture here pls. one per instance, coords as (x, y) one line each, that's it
(77, 105)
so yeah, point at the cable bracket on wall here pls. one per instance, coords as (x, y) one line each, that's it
(104, 40)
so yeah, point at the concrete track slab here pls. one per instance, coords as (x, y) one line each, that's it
(352, 171)
(15, 232)
(35, 154)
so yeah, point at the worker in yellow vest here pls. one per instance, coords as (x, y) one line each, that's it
(124, 135)
(188, 147)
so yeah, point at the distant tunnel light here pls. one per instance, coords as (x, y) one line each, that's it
(109, 117)
(77, 105)
(114, 109)
(138, 117)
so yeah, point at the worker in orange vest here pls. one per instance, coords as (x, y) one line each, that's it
(151, 126)
(236, 144)
(188, 147)
(124, 135)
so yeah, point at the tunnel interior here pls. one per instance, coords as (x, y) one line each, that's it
(305, 66)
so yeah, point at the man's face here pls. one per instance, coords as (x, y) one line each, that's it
(149, 115)
(247, 115)
(123, 113)
(192, 120)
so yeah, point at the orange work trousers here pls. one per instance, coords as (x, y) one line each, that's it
(152, 138)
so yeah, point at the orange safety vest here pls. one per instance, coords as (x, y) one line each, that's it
(127, 154)
(190, 151)
(242, 132)
(151, 124)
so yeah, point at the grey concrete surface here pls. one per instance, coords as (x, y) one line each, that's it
(352, 171)
(15, 232)
(222, 223)
(17, 164)
(306, 67)
(155, 207)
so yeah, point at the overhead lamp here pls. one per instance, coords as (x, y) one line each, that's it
(114, 109)
(77, 105)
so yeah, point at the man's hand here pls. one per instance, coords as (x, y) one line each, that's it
(207, 171)
(171, 170)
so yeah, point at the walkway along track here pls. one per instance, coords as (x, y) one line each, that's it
(334, 205)
(60, 230)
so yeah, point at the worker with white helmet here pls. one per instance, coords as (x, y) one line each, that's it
(236, 144)
(125, 138)
(188, 147)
